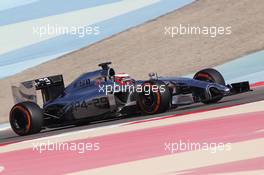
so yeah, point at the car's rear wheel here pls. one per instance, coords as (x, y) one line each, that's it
(213, 76)
(155, 97)
(26, 118)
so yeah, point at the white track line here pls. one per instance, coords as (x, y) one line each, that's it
(170, 164)
(4, 126)
(260, 131)
(2, 169)
(120, 128)
(260, 172)
(55, 138)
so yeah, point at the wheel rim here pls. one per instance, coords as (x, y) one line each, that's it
(148, 99)
(20, 119)
(149, 102)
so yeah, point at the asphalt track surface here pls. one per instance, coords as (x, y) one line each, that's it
(7, 136)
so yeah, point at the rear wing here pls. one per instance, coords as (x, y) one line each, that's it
(25, 91)
(51, 87)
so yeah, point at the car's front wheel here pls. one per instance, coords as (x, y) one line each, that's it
(26, 118)
(213, 76)
(154, 98)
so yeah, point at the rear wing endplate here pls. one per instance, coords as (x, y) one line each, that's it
(50, 87)
(25, 91)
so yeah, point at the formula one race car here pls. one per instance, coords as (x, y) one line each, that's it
(102, 94)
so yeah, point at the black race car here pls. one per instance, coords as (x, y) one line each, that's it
(103, 94)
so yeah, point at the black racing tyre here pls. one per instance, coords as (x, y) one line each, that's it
(26, 118)
(155, 97)
(211, 75)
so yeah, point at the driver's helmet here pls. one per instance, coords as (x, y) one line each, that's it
(123, 79)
